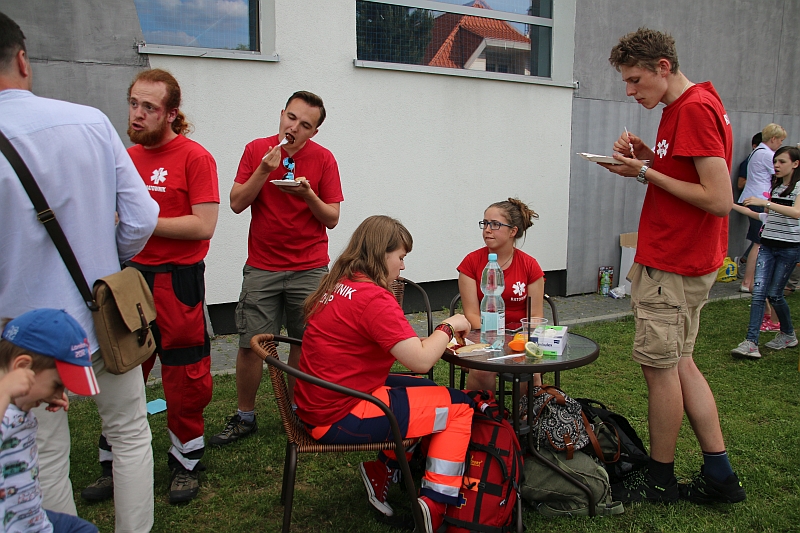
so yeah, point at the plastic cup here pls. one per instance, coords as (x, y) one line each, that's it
(533, 326)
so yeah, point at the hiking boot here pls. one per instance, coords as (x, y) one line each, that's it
(377, 478)
(184, 485)
(432, 513)
(781, 341)
(746, 350)
(99, 491)
(704, 489)
(639, 486)
(235, 429)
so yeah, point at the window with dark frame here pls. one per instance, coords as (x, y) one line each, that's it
(215, 24)
(516, 37)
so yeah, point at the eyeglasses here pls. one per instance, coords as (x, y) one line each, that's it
(288, 164)
(494, 224)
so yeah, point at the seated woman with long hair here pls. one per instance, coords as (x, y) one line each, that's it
(503, 224)
(355, 331)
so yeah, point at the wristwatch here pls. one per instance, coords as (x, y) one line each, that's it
(642, 171)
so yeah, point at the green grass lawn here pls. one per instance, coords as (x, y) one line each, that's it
(757, 401)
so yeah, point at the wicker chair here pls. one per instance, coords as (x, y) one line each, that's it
(553, 311)
(299, 441)
(398, 287)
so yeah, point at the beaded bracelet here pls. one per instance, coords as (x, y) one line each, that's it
(446, 328)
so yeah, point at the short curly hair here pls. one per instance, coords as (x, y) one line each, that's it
(644, 48)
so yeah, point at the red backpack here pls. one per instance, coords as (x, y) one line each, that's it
(492, 477)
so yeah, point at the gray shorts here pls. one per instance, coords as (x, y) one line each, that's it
(666, 307)
(266, 296)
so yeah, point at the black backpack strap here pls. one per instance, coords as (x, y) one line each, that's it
(473, 526)
(48, 219)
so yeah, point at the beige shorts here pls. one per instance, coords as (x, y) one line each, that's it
(267, 297)
(666, 307)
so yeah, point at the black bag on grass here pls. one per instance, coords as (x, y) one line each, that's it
(617, 445)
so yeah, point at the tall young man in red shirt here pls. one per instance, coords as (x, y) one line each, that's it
(683, 236)
(288, 241)
(182, 177)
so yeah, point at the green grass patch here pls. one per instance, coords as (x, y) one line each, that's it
(757, 402)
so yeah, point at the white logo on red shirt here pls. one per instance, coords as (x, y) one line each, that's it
(727, 120)
(344, 290)
(159, 175)
(662, 148)
(518, 288)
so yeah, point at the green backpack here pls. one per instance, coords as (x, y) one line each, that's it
(552, 495)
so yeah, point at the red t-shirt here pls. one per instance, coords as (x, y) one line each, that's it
(284, 234)
(675, 236)
(348, 342)
(178, 175)
(522, 271)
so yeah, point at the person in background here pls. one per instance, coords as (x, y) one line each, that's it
(778, 255)
(283, 267)
(758, 183)
(355, 331)
(503, 224)
(96, 183)
(182, 177)
(683, 239)
(741, 178)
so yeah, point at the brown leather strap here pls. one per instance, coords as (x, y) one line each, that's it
(569, 445)
(598, 450)
(541, 409)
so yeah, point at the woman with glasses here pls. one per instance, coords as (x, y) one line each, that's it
(355, 331)
(503, 224)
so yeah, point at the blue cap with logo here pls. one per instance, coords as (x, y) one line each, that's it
(54, 333)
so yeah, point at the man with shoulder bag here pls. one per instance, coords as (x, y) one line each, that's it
(87, 178)
(181, 176)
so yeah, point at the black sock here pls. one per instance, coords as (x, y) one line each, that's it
(661, 472)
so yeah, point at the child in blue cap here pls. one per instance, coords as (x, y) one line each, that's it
(42, 352)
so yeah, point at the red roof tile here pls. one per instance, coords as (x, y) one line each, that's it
(456, 37)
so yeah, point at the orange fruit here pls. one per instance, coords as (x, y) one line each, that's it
(518, 345)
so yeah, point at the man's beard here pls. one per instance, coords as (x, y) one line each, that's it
(149, 138)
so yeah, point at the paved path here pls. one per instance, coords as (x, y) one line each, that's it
(572, 310)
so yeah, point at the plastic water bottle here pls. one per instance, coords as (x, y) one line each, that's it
(605, 283)
(493, 308)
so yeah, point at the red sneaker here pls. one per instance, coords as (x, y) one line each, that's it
(769, 325)
(432, 513)
(377, 477)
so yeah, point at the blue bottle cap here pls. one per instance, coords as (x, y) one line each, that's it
(492, 257)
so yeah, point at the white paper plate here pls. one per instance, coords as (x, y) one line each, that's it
(594, 158)
(286, 183)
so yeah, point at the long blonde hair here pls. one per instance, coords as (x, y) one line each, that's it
(365, 255)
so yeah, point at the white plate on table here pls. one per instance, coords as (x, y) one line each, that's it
(286, 183)
(594, 158)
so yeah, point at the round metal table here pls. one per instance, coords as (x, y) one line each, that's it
(579, 351)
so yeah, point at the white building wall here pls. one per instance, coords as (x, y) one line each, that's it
(431, 150)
